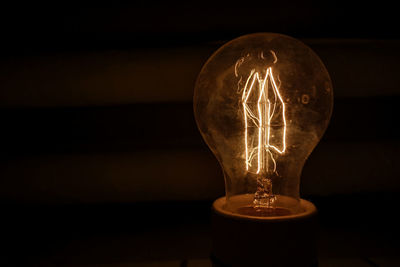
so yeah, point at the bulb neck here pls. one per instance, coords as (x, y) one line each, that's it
(263, 197)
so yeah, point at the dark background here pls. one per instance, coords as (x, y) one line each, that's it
(101, 160)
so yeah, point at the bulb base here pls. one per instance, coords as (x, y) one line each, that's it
(276, 241)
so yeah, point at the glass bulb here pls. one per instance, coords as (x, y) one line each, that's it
(262, 103)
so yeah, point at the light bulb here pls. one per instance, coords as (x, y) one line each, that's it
(262, 103)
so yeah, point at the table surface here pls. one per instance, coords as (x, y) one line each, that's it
(178, 234)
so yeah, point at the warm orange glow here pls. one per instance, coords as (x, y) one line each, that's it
(266, 110)
(262, 102)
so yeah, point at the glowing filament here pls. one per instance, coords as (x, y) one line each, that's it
(263, 107)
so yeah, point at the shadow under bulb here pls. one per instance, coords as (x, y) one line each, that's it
(262, 102)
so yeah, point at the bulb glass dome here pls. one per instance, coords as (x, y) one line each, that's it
(262, 102)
